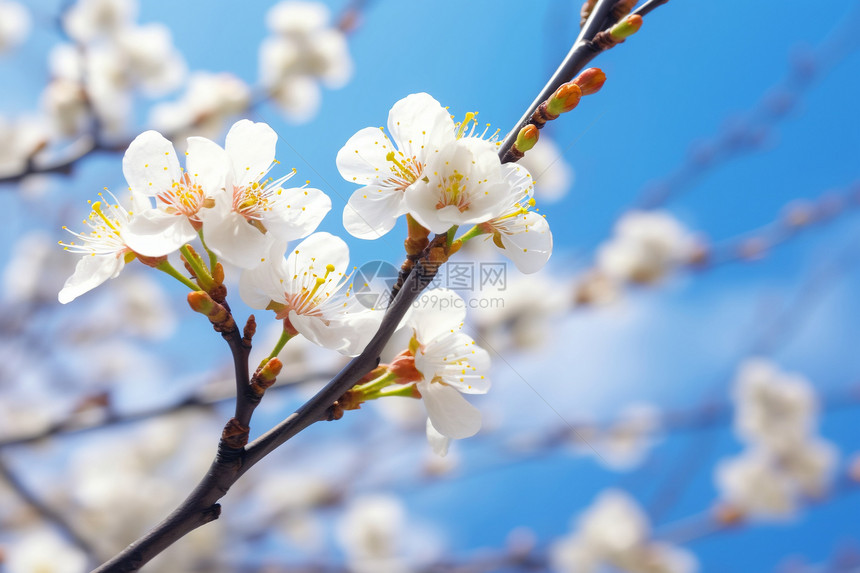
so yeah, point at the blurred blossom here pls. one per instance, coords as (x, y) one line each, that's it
(19, 140)
(553, 176)
(615, 532)
(303, 50)
(628, 440)
(112, 57)
(88, 20)
(142, 307)
(36, 270)
(209, 102)
(14, 25)
(524, 318)
(43, 551)
(774, 408)
(777, 417)
(370, 533)
(645, 246)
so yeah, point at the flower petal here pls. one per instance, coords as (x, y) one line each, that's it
(90, 272)
(236, 241)
(437, 441)
(251, 147)
(155, 233)
(206, 164)
(362, 160)
(418, 124)
(150, 164)
(298, 214)
(373, 211)
(448, 410)
(531, 248)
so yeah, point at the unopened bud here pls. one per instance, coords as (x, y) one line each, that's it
(526, 138)
(590, 81)
(799, 214)
(565, 98)
(728, 514)
(626, 28)
(218, 273)
(201, 302)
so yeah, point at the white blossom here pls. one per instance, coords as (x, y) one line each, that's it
(20, 139)
(252, 212)
(208, 102)
(646, 245)
(14, 25)
(310, 290)
(370, 532)
(385, 168)
(43, 551)
(302, 51)
(615, 532)
(89, 20)
(152, 169)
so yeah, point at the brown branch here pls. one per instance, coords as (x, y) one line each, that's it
(48, 513)
(583, 51)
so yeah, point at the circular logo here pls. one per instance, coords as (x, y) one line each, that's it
(372, 284)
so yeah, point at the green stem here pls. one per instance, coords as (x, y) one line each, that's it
(451, 232)
(196, 264)
(282, 341)
(166, 267)
(213, 258)
(475, 231)
(377, 384)
(405, 390)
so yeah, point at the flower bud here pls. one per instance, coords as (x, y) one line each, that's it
(626, 28)
(265, 376)
(527, 138)
(590, 81)
(565, 98)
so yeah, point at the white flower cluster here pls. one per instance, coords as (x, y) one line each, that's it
(19, 140)
(443, 175)
(14, 25)
(615, 532)
(785, 460)
(645, 247)
(110, 56)
(302, 51)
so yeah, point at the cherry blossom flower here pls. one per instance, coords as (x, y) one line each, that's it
(14, 25)
(303, 51)
(252, 212)
(615, 532)
(447, 364)
(152, 169)
(520, 234)
(104, 248)
(419, 127)
(88, 20)
(645, 247)
(465, 183)
(207, 103)
(307, 290)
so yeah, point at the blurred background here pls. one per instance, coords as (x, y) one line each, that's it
(676, 391)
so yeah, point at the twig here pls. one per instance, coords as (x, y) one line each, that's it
(47, 512)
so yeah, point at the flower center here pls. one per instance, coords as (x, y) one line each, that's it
(103, 237)
(309, 298)
(404, 171)
(454, 191)
(185, 197)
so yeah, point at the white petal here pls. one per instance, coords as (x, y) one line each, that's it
(317, 251)
(372, 212)
(298, 213)
(347, 334)
(150, 165)
(436, 313)
(437, 441)
(236, 241)
(206, 164)
(154, 233)
(362, 159)
(251, 147)
(531, 248)
(90, 272)
(262, 284)
(449, 411)
(419, 124)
